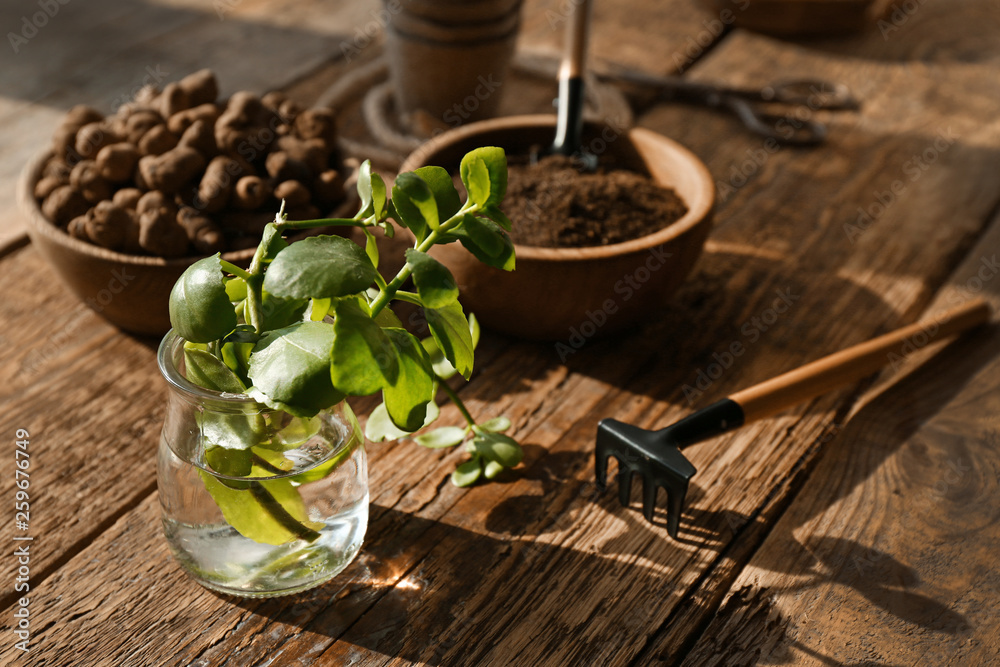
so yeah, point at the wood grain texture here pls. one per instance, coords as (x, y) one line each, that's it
(540, 569)
(802, 213)
(888, 555)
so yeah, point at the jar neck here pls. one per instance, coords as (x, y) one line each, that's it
(170, 358)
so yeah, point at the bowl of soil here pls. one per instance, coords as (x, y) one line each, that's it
(596, 252)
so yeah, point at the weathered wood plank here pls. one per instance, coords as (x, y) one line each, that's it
(570, 579)
(591, 570)
(867, 161)
(888, 554)
(854, 286)
(656, 37)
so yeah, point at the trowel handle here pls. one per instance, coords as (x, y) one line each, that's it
(854, 363)
(577, 35)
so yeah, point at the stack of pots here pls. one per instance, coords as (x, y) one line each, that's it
(449, 58)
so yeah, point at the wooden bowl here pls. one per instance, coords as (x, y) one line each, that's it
(130, 291)
(573, 294)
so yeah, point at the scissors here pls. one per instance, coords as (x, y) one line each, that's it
(795, 128)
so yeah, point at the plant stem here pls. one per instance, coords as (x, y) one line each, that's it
(235, 270)
(255, 300)
(389, 292)
(458, 403)
(409, 297)
(325, 222)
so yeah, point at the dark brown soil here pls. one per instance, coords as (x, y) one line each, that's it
(554, 205)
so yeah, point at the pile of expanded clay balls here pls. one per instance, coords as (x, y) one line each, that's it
(175, 173)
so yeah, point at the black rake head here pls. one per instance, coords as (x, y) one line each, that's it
(650, 454)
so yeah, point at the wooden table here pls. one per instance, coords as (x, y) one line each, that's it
(860, 528)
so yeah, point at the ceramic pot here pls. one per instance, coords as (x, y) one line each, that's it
(575, 294)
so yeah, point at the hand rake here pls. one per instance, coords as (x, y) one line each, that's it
(657, 457)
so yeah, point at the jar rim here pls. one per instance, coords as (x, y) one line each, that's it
(165, 359)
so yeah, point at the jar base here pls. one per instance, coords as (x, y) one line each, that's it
(222, 560)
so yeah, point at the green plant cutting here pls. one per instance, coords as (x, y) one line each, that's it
(309, 323)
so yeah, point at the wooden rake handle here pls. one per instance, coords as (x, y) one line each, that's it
(854, 363)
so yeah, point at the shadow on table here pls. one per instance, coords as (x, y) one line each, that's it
(565, 480)
(897, 414)
(732, 300)
(836, 562)
(439, 594)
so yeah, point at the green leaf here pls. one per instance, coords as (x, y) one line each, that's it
(494, 161)
(206, 370)
(272, 242)
(451, 332)
(496, 215)
(232, 430)
(231, 462)
(324, 469)
(364, 360)
(268, 512)
(371, 248)
(439, 438)
(270, 457)
(496, 425)
(435, 284)
(365, 185)
(297, 431)
(319, 309)
(467, 473)
(319, 267)
(442, 367)
(415, 204)
(433, 411)
(485, 233)
(443, 188)
(379, 203)
(407, 398)
(236, 348)
(380, 427)
(290, 367)
(280, 312)
(477, 181)
(387, 318)
(492, 469)
(200, 310)
(498, 447)
(474, 330)
(236, 289)
(490, 244)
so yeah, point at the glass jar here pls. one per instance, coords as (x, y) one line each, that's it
(256, 502)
